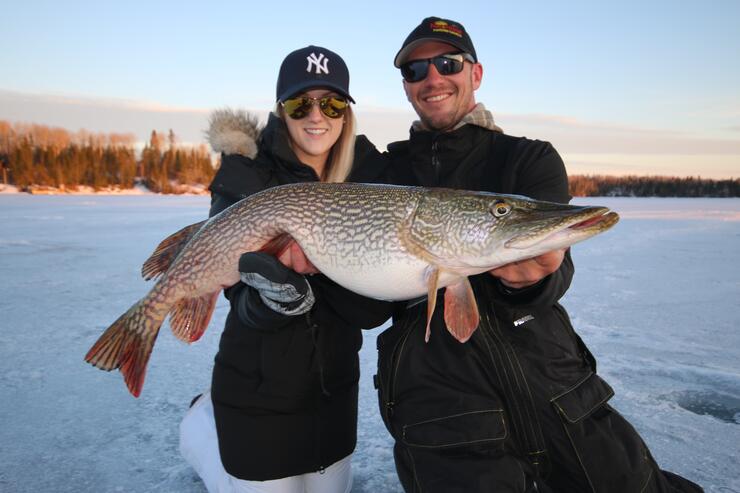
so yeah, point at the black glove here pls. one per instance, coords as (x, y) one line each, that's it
(281, 289)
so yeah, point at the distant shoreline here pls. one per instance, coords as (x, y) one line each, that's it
(198, 190)
(85, 190)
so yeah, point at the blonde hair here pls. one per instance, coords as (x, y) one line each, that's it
(339, 163)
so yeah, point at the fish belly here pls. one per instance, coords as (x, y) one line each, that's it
(390, 281)
(403, 278)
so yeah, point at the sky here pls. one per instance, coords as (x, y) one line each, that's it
(624, 87)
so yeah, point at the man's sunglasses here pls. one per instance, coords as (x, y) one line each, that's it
(331, 106)
(449, 64)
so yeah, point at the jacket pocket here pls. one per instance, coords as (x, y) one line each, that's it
(460, 453)
(583, 398)
(458, 430)
(610, 452)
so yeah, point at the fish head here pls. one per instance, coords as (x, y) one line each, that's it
(476, 231)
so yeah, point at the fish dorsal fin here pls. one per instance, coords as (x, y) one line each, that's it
(190, 316)
(432, 279)
(168, 250)
(461, 310)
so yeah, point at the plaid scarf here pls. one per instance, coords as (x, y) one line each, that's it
(479, 116)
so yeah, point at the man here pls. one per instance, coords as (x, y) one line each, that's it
(519, 407)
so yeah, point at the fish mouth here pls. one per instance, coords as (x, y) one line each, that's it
(601, 221)
(568, 230)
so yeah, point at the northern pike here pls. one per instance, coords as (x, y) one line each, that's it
(382, 241)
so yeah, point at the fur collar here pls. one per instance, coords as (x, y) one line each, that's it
(233, 132)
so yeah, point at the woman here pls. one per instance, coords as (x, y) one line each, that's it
(285, 379)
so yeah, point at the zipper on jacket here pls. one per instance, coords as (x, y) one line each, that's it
(318, 446)
(395, 361)
(313, 329)
(435, 161)
(527, 428)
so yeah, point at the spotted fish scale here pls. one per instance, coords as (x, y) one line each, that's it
(382, 241)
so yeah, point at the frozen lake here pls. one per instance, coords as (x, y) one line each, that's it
(657, 299)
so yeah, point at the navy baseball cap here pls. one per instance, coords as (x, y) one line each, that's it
(312, 67)
(436, 29)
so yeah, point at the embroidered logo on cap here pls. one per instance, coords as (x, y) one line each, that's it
(445, 27)
(320, 62)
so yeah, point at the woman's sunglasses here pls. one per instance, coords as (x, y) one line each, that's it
(449, 64)
(331, 106)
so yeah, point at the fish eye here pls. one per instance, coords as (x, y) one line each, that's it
(500, 209)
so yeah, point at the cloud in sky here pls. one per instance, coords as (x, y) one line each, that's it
(103, 115)
(587, 147)
(597, 137)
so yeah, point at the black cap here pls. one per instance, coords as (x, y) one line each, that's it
(436, 29)
(310, 67)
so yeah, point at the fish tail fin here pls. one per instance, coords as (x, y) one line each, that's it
(127, 344)
(190, 316)
(168, 250)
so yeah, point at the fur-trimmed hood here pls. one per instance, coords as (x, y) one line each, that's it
(233, 132)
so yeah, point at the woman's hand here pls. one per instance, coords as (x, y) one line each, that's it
(294, 258)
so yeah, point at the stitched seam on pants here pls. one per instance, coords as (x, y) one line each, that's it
(516, 423)
(480, 411)
(515, 397)
(572, 387)
(580, 461)
(576, 420)
(417, 483)
(535, 422)
(644, 487)
(511, 356)
(447, 445)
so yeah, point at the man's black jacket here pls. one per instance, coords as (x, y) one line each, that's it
(519, 407)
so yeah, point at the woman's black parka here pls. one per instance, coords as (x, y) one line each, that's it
(285, 388)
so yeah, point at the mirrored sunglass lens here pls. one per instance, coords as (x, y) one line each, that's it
(338, 103)
(333, 107)
(447, 66)
(415, 71)
(297, 108)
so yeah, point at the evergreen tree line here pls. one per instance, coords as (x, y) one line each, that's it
(34, 155)
(651, 186)
(39, 156)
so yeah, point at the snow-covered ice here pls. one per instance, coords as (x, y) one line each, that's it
(657, 300)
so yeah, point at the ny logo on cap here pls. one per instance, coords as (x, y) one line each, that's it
(318, 62)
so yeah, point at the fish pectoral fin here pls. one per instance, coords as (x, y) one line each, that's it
(190, 316)
(461, 310)
(167, 251)
(432, 280)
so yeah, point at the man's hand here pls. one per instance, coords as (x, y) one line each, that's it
(294, 259)
(518, 275)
